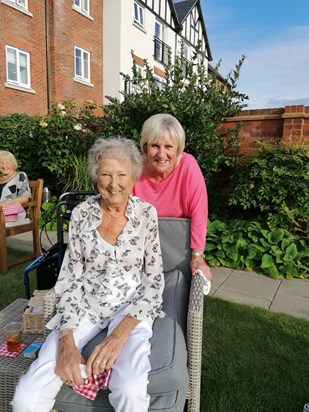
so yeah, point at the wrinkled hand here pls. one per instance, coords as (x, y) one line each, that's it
(198, 262)
(68, 361)
(105, 353)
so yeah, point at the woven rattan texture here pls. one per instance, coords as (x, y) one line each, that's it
(11, 369)
(33, 321)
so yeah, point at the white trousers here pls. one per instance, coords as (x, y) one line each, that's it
(38, 388)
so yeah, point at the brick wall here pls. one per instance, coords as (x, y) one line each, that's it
(269, 125)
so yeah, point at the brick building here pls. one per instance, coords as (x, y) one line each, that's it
(50, 51)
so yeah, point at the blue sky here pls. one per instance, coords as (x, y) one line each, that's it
(274, 37)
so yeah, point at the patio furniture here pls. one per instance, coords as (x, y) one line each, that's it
(11, 369)
(30, 224)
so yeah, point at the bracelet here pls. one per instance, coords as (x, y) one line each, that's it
(198, 254)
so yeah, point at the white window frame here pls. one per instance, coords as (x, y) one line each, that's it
(82, 76)
(139, 14)
(23, 4)
(82, 5)
(18, 81)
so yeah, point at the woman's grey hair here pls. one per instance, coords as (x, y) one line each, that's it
(160, 125)
(118, 148)
(10, 156)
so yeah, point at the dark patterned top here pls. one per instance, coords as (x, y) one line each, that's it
(99, 280)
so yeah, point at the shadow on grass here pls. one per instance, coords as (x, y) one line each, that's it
(253, 360)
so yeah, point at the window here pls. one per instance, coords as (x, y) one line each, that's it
(82, 64)
(17, 67)
(161, 49)
(158, 81)
(20, 3)
(82, 5)
(138, 14)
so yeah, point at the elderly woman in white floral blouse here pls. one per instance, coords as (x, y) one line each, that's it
(111, 277)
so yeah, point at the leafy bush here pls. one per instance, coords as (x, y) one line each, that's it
(275, 183)
(17, 136)
(247, 245)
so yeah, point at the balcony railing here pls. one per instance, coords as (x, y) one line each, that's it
(161, 51)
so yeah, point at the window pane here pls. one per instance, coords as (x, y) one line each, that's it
(23, 68)
(21, 3)
(86, 66)
(86, 6)
(135, 12)
(78, 66)
(141, 19)
(77, 2)
(12, 65)
(158, 30)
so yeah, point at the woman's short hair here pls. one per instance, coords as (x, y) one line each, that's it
(118, 148)
(8, 155)
(160, 125)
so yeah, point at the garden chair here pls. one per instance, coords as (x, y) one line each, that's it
(30, 224)
(175, 378)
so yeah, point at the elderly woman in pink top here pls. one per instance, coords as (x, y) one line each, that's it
(172, 181)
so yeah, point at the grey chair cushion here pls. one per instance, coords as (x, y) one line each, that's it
(168, 379)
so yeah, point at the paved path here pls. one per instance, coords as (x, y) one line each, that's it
(286, 296)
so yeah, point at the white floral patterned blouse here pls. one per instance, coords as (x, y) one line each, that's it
(99, 280)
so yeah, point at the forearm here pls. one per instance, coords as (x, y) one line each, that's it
(21, 200)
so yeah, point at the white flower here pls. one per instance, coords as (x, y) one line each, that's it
(78, 126)
(61, 106)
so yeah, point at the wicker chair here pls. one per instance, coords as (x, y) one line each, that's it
(180, 332)
(31, 224)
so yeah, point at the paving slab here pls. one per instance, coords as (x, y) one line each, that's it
(248, 288)
(292, 297)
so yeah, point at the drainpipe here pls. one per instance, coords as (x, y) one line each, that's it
(47, 54)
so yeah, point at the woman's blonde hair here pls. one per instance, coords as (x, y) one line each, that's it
(118, 148)
(10, 156)
(160, 125)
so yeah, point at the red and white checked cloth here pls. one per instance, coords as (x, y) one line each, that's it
(91, 389)
(4, 351)
(11, 212)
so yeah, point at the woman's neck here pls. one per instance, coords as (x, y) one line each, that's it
(4, 178)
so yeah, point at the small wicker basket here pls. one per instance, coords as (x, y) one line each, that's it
(33, 317)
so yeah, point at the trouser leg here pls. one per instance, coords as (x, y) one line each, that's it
(129, 377)
(38, 388)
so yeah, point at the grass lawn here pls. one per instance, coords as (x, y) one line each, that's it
(253, 360)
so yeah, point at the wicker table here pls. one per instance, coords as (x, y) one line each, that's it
(12, 368)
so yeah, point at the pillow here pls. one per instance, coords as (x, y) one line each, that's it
(11, 212)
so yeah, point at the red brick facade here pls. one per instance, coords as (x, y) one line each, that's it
(289, 123)
(50, 43)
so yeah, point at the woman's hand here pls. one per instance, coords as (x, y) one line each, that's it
(105, 353)
(68, 361)
(198, 262)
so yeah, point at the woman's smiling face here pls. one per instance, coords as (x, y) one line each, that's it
(162, 157)
(115, 181)
(6, 165)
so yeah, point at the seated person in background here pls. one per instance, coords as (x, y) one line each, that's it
(172, 181)
(111, 277)
(14, 185)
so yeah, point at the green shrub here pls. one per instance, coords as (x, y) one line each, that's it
(275, 184)
(247, 245)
